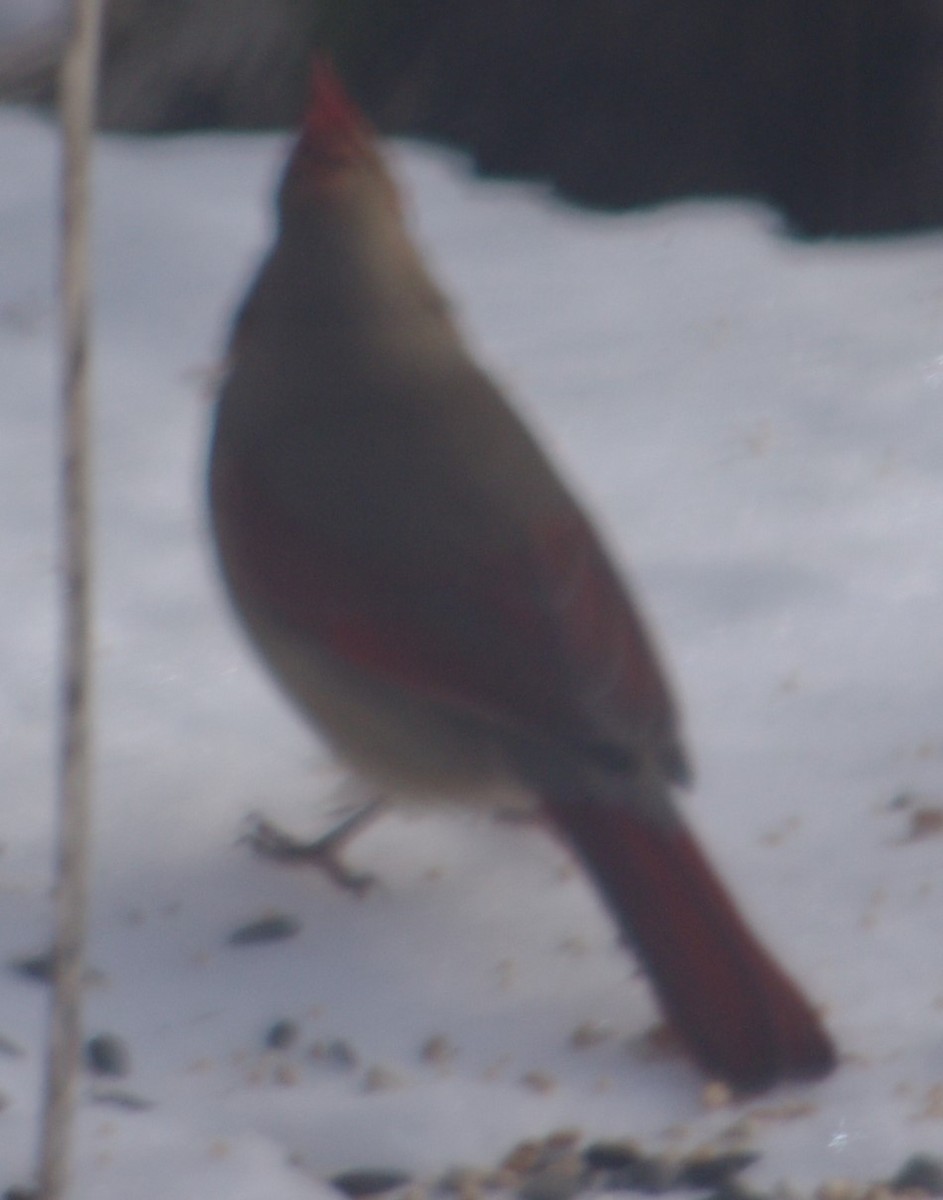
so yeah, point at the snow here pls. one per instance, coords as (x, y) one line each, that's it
(21, 18)
(756, 424)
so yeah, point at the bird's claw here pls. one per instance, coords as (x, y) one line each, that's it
(268, 841)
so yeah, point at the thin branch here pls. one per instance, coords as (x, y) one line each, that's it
(78, 91)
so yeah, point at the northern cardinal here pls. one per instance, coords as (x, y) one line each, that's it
(429, 593)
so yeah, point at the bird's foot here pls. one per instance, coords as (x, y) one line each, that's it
(268, 841)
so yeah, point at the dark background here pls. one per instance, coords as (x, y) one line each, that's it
(830, 109)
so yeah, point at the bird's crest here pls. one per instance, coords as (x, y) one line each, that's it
(334, 130)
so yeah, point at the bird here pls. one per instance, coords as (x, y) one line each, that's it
(428, 592)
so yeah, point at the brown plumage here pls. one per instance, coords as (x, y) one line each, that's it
(427, 590)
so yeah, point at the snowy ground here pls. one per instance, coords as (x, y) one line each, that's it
(757, 424)
(19, 17)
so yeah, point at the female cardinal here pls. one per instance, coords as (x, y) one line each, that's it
(430, 594)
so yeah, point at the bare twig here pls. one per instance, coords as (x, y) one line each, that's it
(78, 90)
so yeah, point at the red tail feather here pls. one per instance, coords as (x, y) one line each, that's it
(741, 1016)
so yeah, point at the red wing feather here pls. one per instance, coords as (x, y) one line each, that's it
(544, 637)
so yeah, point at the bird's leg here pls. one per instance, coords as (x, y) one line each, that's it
(268, 841)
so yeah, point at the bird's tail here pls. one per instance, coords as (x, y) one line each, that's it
(740, 1014)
